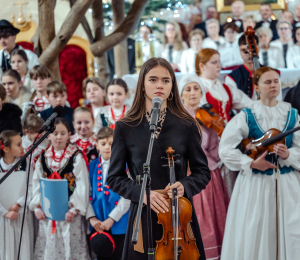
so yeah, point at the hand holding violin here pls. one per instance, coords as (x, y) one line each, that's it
(158, 202)
(262, 164)
(177, 185)
(282, 151)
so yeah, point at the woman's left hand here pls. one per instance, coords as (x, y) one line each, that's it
(180, 189)
(281, 150)
(70, 216)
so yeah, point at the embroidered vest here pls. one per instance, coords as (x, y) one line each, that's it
(217, 104)
(66, 172)
(256, 132)
(103, 199)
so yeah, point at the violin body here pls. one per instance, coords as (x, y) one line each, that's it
(254, 148)
(210, 118)
(187, 245)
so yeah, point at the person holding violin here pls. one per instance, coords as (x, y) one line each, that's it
(177, 129)
(264, 211)
(211, 204)
(223, 98)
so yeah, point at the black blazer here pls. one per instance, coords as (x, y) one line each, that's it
(272, 27)
(131, 58)
(68, 116)
(130, 146)
(293, 97)
(10, 118)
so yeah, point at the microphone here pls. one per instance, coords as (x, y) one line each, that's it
(156, 102)
(58, 111)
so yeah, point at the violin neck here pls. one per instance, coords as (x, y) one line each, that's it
(172, 175)
(277, 138)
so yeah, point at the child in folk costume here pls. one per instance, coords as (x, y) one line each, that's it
(64, 160)
(84, 139)
(31, 127)
(11, 219)
(212, 203)
(223, 98)
(108, 212)
(94, 92)
(117, 92)
(264, 211)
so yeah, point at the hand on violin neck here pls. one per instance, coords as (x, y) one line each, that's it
(281, 150)
(157, 202)
(177, 185)
(262, 164)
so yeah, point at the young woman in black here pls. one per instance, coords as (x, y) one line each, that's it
(176, 129)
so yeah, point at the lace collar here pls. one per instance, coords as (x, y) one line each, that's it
(74, 138)
(71, 149)
(5, 166)
(277, 112)
(160, 122)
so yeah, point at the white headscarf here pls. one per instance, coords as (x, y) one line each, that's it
(186, 79)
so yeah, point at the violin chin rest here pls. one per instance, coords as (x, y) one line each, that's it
(247, 152)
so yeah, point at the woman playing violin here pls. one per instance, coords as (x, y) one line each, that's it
(264, 211)
(176, 128)
(211, 204)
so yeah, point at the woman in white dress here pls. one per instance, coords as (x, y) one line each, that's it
(270, 56)
(173, 45)
(214, 40)
(262, 221)
(284, 30)
(293, 54)
(188, 56)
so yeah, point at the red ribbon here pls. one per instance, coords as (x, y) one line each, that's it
(54, 176)
(109, 237)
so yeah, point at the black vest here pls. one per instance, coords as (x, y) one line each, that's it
(66, 172)
(243, 79)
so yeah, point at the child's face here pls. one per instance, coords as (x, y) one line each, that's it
(57, 99)
(16, 148)
(104, 147)
(59, 138)
(40, 83)
(83, 124)
(19, 64)
(94, 94)
(30, 136)
(12, 86)
(116, 96)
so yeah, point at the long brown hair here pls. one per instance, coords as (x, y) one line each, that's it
(174, 105)
(178, 43)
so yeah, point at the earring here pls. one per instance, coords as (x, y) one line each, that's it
(171, 97)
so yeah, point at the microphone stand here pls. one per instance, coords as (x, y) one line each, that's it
(50, 129)
(146, 185)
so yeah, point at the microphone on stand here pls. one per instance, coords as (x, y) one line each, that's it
(58, 111)
(155, 112)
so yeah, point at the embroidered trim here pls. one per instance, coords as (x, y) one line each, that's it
(160, 122)
(71, 149)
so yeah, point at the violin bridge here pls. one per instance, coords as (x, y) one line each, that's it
(177, 238)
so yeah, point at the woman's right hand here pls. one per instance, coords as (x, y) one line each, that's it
(158, 202)
(40, 215)
(262, 164)
(96, 224)
(12, 215)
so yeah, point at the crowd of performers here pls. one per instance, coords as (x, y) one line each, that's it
(243, 208)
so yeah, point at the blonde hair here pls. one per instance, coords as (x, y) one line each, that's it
(203, 57)
(55, 87)
(197, 32)
(83, 109)
(178, 46)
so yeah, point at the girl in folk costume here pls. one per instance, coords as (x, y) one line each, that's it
(211, 204)
(19, 62)
(117, 92)
(62, 160)
(84, 139)
(223, 98)
(176, 128)
(11, 216)
(31, 127)
(264, 211)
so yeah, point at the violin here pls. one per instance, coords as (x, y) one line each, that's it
(176, 243)
(252, 45)
(209, 117)
(254, 148)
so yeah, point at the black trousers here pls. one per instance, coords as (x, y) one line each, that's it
(119, 243)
